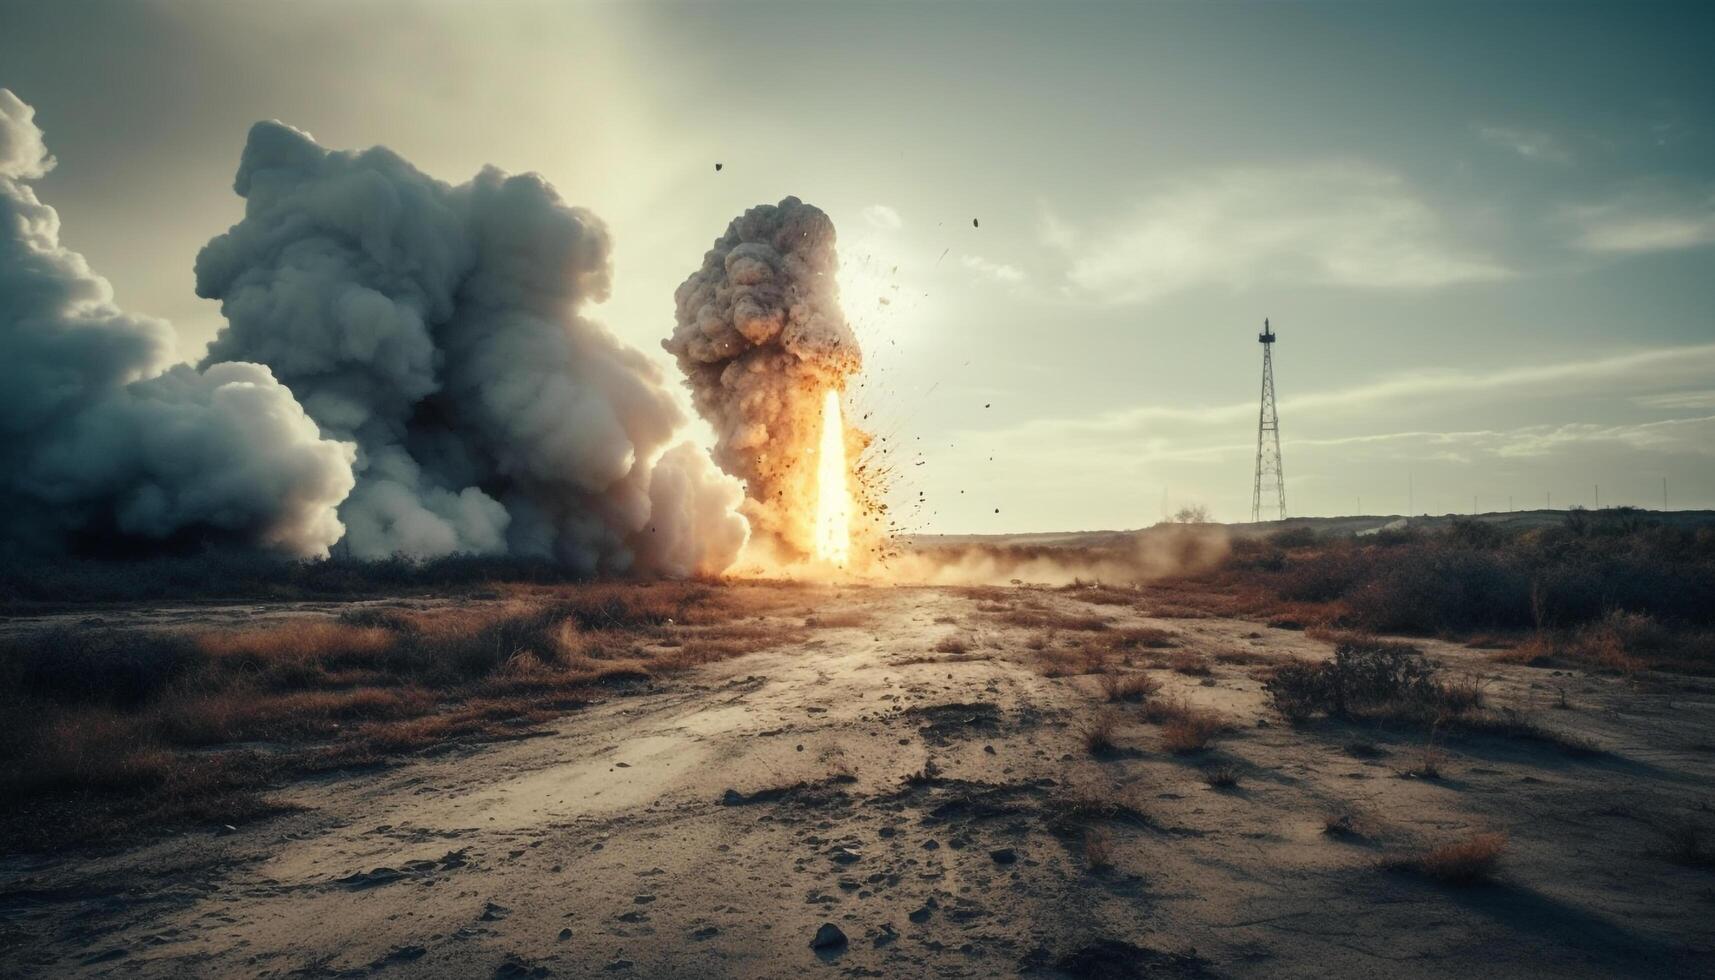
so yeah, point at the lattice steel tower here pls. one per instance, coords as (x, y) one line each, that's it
(1268, 470)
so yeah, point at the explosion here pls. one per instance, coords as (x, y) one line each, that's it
(766, 350)
(833, 497)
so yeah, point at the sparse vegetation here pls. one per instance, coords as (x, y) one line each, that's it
(1097, 733)
(1365, 677)
(1098, 850)
(1467, 862)
(1690, 843)
(1185, 728)
(1134, 686)
(1076, 807)
(1221, 775)
(1613, 589)
(1339, 825)
(103, 730)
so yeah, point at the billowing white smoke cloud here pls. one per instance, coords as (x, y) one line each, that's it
(437, 327)
(103, 448)
(760, 336)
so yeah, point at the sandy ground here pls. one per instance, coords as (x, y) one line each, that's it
(709, 826)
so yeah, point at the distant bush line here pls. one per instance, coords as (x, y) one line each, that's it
(1473, 576)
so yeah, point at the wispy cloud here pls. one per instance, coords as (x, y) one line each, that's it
(992, 270)
(883, 218)
(1334, 224)
(1647, 367)
(1704, 398)
(1654, 219)
(1531, 144)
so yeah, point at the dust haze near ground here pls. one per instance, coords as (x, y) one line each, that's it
(908, 774)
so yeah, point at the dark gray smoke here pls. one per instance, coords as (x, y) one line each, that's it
(438, 328)
(107, 449)
(760, 336)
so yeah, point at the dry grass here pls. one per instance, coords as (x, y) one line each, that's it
(1070, 662)
(1618, 643)
(953, 645)
(1137, 686)
(1467, 862)
(1189, 664)
(1076, 807)
(1222, 775)
(1185, 728)
(1039, 617)
(1097, 734)
(1098, 850)
(844, 619)
(99, 724)
(1340, 825)
(1689, 843)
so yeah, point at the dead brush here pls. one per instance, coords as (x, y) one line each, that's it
(1098, 850)
(1097, 734)
(1123, 687)
(1189, 664)
(1076, 807)
(953, 645)
(1222, 775)
(1688, 843)
(1185, 728)
(1468, 862)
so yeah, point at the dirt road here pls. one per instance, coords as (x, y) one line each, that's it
(927, 805)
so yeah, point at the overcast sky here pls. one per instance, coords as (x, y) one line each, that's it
(1485, 234)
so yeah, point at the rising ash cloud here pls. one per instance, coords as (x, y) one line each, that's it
(406, 370)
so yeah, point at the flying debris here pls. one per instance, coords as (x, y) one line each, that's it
(717, 167)
(973, 222)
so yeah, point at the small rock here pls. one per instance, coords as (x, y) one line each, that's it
(706, 932)
(565, 934)
(931, 845)
(1005, 855)
(828, 937)
(844, 855)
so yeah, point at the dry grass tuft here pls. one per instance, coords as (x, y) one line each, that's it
(1076, 807)
(1098, 850)
(1189, 664)
(1223, 775)
(1340, 825)
(1118, 687)
(1185, 728)
(1689, 843)
(1097, 734)
(1468, 862)
(953, 645)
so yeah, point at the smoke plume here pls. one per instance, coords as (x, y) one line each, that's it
(760, 336)
(106, 449)
(438, 328)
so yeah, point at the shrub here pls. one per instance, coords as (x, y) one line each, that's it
(1118, 687)
(1097, 734)
(1359, 678)
(1466, 862)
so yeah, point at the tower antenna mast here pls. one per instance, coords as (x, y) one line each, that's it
(1268, 469)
